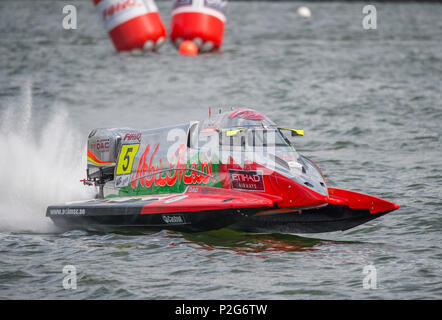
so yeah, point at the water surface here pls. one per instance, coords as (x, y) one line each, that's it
(369, 102)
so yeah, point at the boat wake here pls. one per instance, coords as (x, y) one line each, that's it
(39, 164)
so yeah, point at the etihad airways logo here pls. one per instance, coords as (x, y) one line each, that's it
(248, 180)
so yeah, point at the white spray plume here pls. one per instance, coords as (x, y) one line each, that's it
(37, 169)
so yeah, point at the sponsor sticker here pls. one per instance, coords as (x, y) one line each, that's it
(247, 180)
(131, 136)
(116, 12)
(67, 211)
(178, 171)
(173, 219)
(215, 8)
(247, 115)
(174, 199)
(219, 5)
(126, 159)
(182, 3)
(192, 190)
(122, 181)
(101, 145)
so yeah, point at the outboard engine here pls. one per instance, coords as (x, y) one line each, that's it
(102, 152)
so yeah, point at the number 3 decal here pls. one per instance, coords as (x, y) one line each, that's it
(126, 158)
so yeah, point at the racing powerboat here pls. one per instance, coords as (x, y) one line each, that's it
(235, 169)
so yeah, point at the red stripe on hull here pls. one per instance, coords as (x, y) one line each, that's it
(356, 200)
(206, 199)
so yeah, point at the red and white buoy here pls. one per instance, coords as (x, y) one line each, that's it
(201, 21)
(132, 24)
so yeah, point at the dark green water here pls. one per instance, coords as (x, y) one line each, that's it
(369, 102)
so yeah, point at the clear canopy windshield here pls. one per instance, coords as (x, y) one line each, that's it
(254, 134)
(247, 136)
(254, 137)
(258, 143)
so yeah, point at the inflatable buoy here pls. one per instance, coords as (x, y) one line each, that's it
(132, 24)
(188, 47)
(201, 21)
(304, 12)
